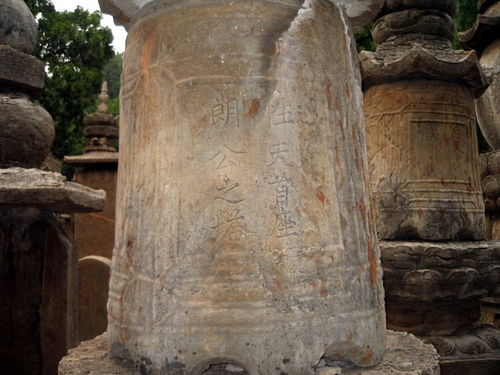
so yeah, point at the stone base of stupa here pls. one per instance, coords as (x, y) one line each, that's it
(405, 355)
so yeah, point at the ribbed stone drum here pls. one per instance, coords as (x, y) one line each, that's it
(244, 232)
(424, 160)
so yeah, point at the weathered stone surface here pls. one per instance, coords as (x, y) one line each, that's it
(490, 311)
(471, 350)
(92, 358)
(422, 147)
(18, 27)
(21, 71)
(46, 190)
(414, 42)
(93, 282)
(412, 21)
(405, 355)
(433, 288)
(243, 220)
(37, 320)
(26, 133)
(360, 12)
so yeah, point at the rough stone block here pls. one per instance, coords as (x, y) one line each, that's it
(47, 190)
(405, 355)
(26, 133)
(18, 27)
(21, 70)
(433, 288)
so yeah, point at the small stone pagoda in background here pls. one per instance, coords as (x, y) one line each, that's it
(94, 232)
(421, 132)
(38, 273)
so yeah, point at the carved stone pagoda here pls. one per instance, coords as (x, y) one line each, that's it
(94, 232)
(422, 146)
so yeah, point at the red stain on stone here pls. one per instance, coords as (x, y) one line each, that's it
(323, 292)
(278, 285)
(321, 197)
(368, 357)
(147, 52)
(347, 91)
(372, 259)
(329, 98)
(362, 209)
(313, 284)
(254, 108)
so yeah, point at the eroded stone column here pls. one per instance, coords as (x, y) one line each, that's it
(419, 105)
(244, 232)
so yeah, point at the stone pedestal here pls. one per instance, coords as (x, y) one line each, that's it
(243, 223)
(405, 355)
(435, 290)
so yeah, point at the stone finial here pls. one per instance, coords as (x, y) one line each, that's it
(101, 127)
(103, 98)
(26, 129)
(18, 27)
(414, 42)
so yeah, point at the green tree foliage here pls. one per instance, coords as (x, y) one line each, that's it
(467, 15)
(111, 73)
(75, 48)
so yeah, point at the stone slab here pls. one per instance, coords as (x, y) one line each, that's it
(405, 355)
(47, 190)
(21, 70)
(361, 12)
(95, 157)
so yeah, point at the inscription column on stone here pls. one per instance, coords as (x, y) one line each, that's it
(243, 222)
